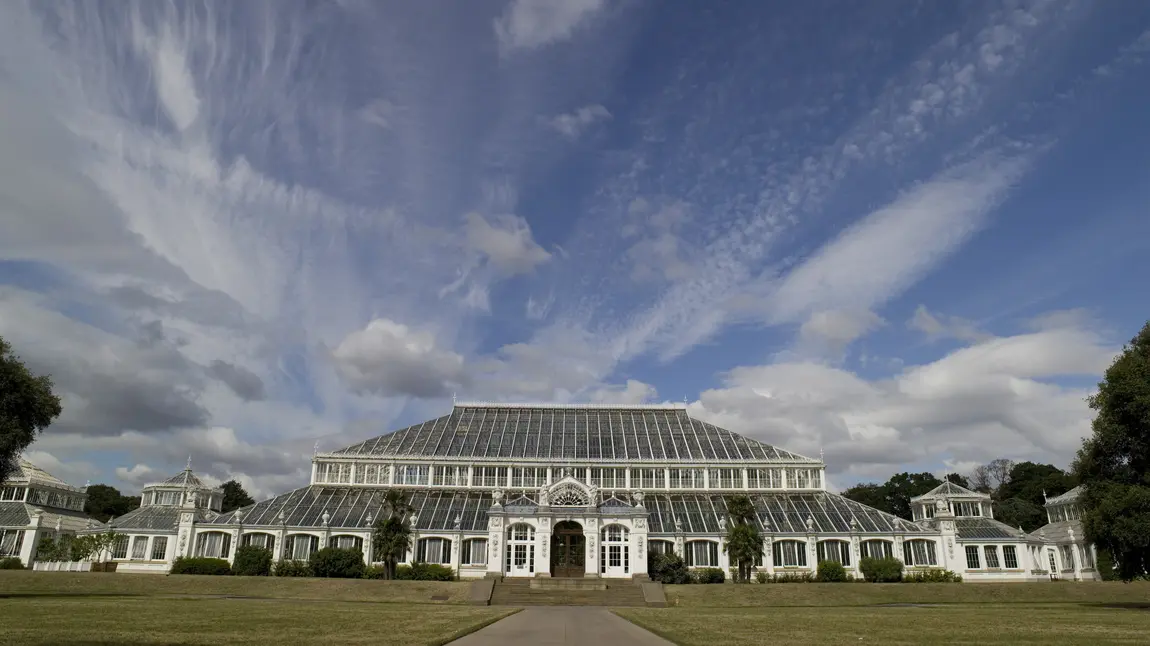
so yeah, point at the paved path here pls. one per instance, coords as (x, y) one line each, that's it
(562, 626)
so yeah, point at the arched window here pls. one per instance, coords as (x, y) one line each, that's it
(614, 551)
(474, 552)
(876, 549)
(299, 547)
(835, 550)
(346, 542)
(790, 554)
(520, 554)
(213, 545)
(661, 547)
(919, 552)
(702, 554)
(433, 550)
(259, 539)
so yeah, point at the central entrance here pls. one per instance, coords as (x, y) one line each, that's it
(568, 550)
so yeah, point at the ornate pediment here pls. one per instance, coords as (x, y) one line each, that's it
(568, 492)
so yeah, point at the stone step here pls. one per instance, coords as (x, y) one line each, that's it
(522, 593)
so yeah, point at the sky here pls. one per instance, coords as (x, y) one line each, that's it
(900, 235)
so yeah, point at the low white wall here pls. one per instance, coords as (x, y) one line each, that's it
(62, 566)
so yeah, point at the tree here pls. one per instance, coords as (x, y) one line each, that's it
(903, 486)
(991, 476)
(1113, 464)
(391, 532)
(1017, 512)
(869, 494)
(235, 496)
(743, 541)
(105, 501)
(27, 407)
(1032, 482)
(958, 479)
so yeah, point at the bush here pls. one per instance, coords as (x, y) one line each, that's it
(252, 560)
(708, 575)
(375, 572)
(187, 565)
(424, 572)
(337, 563)
(11, 563)
(788, 577)
(292, 568)
(884, 570)
(831, 572)
(932, 576)
(668, 568)
(762, 577)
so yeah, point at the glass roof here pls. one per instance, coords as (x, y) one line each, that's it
(778, 513)
(155, 518)
(592, 433)
(948, 490)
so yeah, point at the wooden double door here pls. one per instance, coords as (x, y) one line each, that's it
(568, 550)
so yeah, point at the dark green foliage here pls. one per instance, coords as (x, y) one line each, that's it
(105, 502)
(391, 532)
(869, 494)
(252, 560)
(894, 495)
(27, 407)
(375, 572)
(52, 549)
(198, 565)
(707, 575)
(743, 542)
(424, 572)
(1017, 512)
(11, 563)
(831, 572)
(786, 577)
(958, 479)
(337, 563)
(668, 568)
(1114, 462)
(292, 568)
(235, 496)
(932, 576)
(1105, 564)
(884, 570)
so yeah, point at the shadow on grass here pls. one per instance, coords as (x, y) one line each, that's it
(1121, 605)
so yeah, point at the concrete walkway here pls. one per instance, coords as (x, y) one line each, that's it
(562, 626)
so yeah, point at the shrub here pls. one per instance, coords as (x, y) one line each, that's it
(668, 568)
(932, 576)
(252, 560)
(337, 563)
(292, 568)
(831, 572)
(790, 577)
(11, 563)
(762, 577)
(375, 572)
(708, 575)
(424, 572)
(884, 570)
(188, 565)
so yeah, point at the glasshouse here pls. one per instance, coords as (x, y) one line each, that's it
(531, 490)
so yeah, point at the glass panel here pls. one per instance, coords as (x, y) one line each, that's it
(159, 548)
(972, 562)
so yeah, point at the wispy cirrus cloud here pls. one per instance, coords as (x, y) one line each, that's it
(572, 124)
(527, 24)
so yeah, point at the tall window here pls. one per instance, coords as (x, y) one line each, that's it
(299, 547)
(1009, 557)
(919, 552)
(449, 476)
(159, 548)
(991, 554)
(371, 474)
(726, 479)
(120, 547)
(614, 551)
(702, 554)
(648, 479)
(433, 550)
(346, 542)
(876, 549)
(11, 540)
(139, 548)
(474, 552)
(1087, 557)
(213, 545)
(790, 554)
(764, 478)
(520, 553)
(609, 478)
(966, 508)
(833, 550)
(11, 493)
(1067, 557)
(686, 478)
(804, 479)
(528, 477)
(489, 476)
(333, 472)
(412, 474)
(259, 539)
(660, 547)
(972, 562)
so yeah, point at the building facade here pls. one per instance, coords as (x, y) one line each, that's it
(34, 503)
(523, 490)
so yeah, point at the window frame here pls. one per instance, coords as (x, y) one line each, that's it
(779, 553)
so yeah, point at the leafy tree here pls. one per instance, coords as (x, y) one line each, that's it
(235, 496)
(743, 541)
(1114, 462)
(958, 479)
(1017, 512)
(1032, 482)
(989, 477)
(391, 532)
(27, 407)
(869, 494)
(105, 501)
(903, 486)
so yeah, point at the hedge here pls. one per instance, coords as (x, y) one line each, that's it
(11, 563)
(252, 560)
(337, 563)
(668, 568)
(424, 572)
(831, 572)
(885, 570)
(199, 565)
(292, 568)
(708, 575)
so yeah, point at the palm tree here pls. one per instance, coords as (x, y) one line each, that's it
(743, 541)
(391, 532)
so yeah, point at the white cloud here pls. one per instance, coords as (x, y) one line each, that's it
(573, 124)
(944, 327)
(831, 331)
(633, 392)
(391, 359)
(506, 242)
(528, 24)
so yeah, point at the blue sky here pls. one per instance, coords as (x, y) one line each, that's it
(909, 235)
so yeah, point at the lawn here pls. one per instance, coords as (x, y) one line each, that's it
(1046, 613)
(94, 608)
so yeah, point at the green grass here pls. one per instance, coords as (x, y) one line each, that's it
(94, 608)
(812, 613)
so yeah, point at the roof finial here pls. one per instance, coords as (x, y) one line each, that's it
(315, 449)
(946, 477)
(452, 398)
(189, 465)
(1044, 499)
(821, 458)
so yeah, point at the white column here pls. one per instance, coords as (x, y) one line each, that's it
(457, 552)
